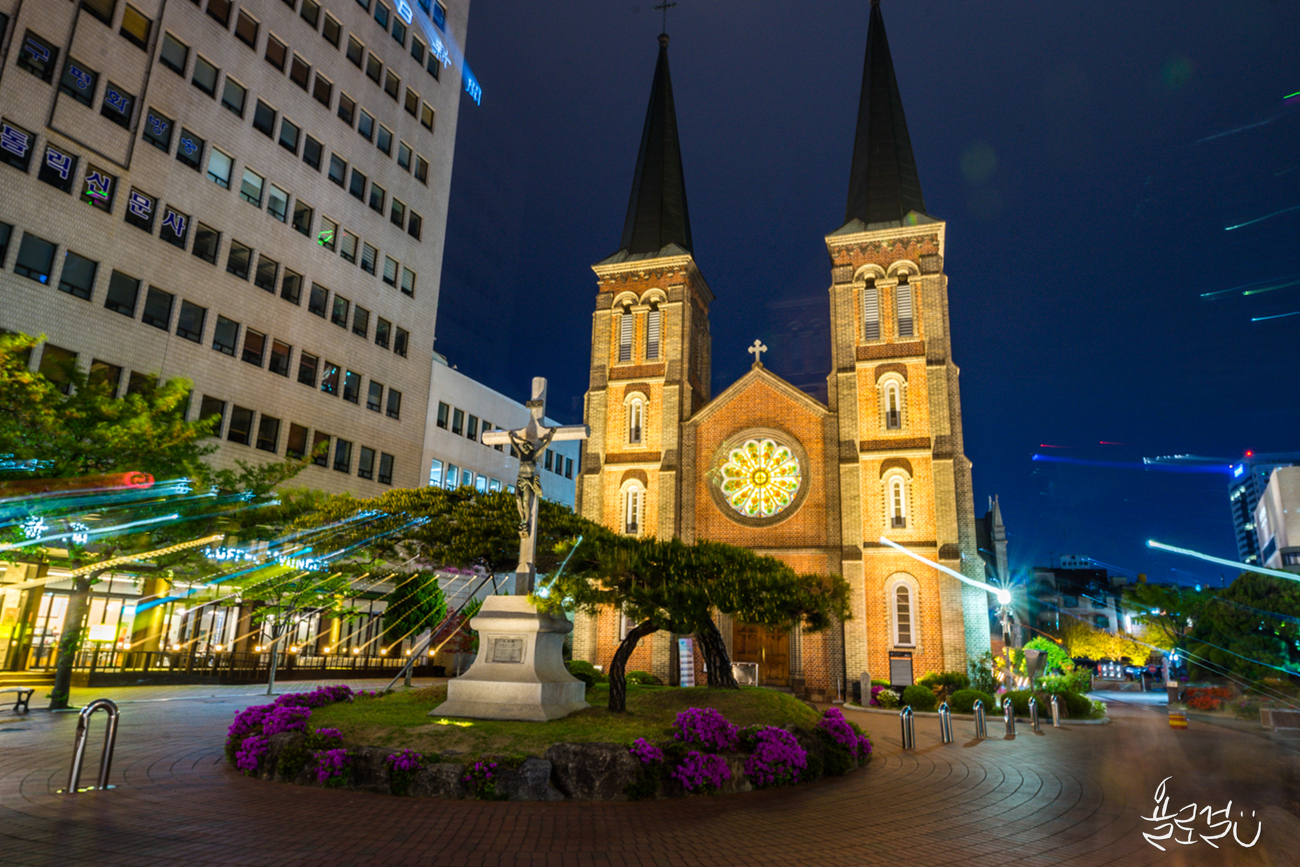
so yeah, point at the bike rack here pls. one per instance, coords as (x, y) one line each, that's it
(1033, 715)
(981, 728)
(1009, 714)
(1056, 713)
(79, 753)
(945, 723)
(909, 728)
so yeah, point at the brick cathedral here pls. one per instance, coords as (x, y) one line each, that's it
(764, 465)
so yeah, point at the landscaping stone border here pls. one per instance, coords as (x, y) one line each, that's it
(568, 772)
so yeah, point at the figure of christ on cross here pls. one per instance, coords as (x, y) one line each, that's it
(530, 442)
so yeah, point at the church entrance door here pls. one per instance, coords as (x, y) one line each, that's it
(770, 648)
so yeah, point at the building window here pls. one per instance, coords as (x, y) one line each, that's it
(211, 407)
(426, 117)
(408, 282)
(237, 262)
(219, 11)
(307, 366)
(246, 29)
(329, 382)
(453, 477)
(375, 396)
(104, 376)
(58, 169)
(101, 9)
(268, 433)
(415, 226)
(891, 400)
(190, 152)
(277, 53)
(347, 108)
(896, 501)
(302, 215)
(421, 169)
(633, 505)
(158, 308)
(100, 189)
(366, 463)
(296, 445)
(327, 236)
(318, 301)
(568, 468)
(390, 271)
(652, 328)
(435, 474)
(339, 314)
(443, 411)
(241, 425)
(397, 213)
(264, 119)
(250, 189)
(267, 270)
(123, 293)
(471, 429)
(903, 616)
(310, 12)
(458, 422)
(343, 455)
(277, 203)
(140, 210)
(399, 342)
(233, 96)
(1102, 621)
(338, 169)
(254, 347)
(625, 336)
(320, 449)
(870, 311)
(404, 155)
(225, 337)
(300, 74)
(360, 321)
(79, 81)
(352, 386)
(190, 323)
(635, 420)
(385, 468)
(903, 305)
(398, 31)
(368, 257)
(417, 50)
(385, 140)
(205, 75)
(136, 28)
(57, 365)
(366, 125)
(280, 354)
(206, 243)
(219, 165)
(377, 195)
(395, 405)
(311, 153)
(17, 147)
(38, 56)
(374, 68)
(382, 329)
(358, 185)
(381, 14)
(35, 258)
(392, 84)
(355, 51)
(332, 31)
(78, 275)
(291, 287)
(118, 105)
(174, 54)
(324, 89)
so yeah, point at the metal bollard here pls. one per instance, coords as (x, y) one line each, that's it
(1009, 714)
(981, 729)
(1033, 715)
(945, 723)
(79, 753)
(909, 729)
(1056, 713)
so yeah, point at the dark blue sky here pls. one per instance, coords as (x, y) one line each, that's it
(1089, 158)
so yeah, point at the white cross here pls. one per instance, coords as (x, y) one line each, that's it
(757, 351)
(530, 441)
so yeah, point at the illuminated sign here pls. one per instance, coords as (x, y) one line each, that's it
(471, 87)
(1238, 470)
(404, 11)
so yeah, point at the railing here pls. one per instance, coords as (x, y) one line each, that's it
(945, 723)
(909, 728)
(198, 662)
(79, 751)
(1009, 715)
(981, 728)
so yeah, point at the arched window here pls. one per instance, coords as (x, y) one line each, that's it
(633, 506)
(870, 311)
(635, 420)
(893, 407)
(653, 321)
(896, 501)
(903, 306)
(625, 336)
(903, 619)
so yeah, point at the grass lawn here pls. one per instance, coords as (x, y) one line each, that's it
(400, 720)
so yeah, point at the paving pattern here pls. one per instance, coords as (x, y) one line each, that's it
(1074, 795)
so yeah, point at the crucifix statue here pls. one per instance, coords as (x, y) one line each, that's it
(530, 442)
(757, 351)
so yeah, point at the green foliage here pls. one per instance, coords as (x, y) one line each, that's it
(963, 701)
(415, 603)
(641, 678)
(1079, 681)
(1165, 611)
(887, 699)
(1084, 639)
(945, 683)
(920, 698)
(1249, 643)
(981, 673)
(837, 760)
(585, 672)
(1058, 661)
(1078, 705)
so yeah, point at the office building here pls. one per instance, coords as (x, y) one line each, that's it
(1277, 520)
(1249, 478)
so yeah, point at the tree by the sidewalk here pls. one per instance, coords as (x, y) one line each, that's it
(1249, 629)
(1082, 639)
(1166, 612)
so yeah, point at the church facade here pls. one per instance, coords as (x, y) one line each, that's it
(765, 466)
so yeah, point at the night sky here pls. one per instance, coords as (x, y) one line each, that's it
(1101, 168)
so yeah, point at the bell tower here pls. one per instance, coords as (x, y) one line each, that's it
(893, 384)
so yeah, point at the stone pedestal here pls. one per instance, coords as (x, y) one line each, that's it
(519, 672)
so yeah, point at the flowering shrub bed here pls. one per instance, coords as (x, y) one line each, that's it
(482, 779)
(1207, 697)
(702, 772)
(647, 752)
(332, 766)
(845, 733)
(707, 728)
(777, 759)
(402, 768)
(248, 738)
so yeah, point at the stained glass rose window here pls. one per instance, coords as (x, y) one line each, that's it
(759, 478)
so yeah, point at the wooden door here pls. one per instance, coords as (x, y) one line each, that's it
(769, 648)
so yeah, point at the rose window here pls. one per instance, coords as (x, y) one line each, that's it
(760, 478)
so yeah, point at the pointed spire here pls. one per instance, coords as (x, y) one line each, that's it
(883, 182)
(656, 214)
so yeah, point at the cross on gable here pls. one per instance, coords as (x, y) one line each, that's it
(757, 351)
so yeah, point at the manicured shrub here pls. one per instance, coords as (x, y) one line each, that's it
(1079, 706)
(945, 683)
(844, 733)
(707, 728)
(585, 672)
(981, 673)
(641, 677)
(777, 759)
(920, 698)
(702, 772)
(963, 701)
(403, 767)
(1206, 698)
(333, 767)
(886, 698)
(1079, 680)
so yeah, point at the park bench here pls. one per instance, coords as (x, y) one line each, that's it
(24, 696)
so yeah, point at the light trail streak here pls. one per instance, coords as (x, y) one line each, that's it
(94, 532)
(1262, 219)
(1276, 316)
(1245, 567)
(1002, 595)
(1271, 288)
(1130, 465)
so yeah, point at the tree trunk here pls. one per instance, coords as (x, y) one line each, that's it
(70, 640)
(711, 645)
(618, 665)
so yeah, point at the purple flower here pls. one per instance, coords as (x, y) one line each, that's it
(329, 734)
(407, 761)
(249, 755)
(702, 772)
(285, 719)
(647, 752)
(777, 758)
(248, 721)
(331, 764)
(845, 733)
(706, 727)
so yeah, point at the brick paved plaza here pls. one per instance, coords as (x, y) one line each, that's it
(1070, 796)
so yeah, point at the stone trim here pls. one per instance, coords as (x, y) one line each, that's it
(636, 371)
(893, 367)
(891, 350)
(894, 444)
(895, 464)
(634, 476)
(633, 457)
(929, 544)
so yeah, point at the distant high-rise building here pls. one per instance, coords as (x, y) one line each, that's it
(1249, 478)
(1277, 520)
(251, 195)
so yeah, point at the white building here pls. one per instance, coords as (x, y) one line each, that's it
(1277, 520)
(251, 194)
(460, 411)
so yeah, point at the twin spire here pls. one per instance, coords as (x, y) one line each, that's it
(883, 183)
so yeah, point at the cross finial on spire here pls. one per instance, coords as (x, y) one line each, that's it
(757, 351)
(664, 7)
